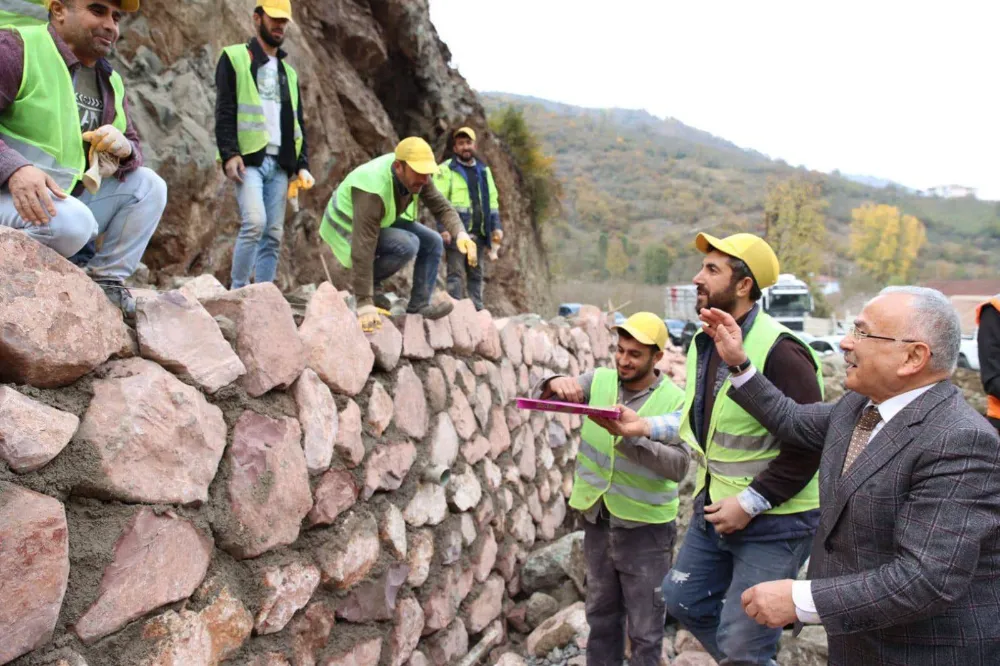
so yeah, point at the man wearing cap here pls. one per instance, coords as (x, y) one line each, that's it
(260, 132)
(23, 13)
(60, 102)
(756, 505)
(363, 227)
(626, 489)
(468, 184)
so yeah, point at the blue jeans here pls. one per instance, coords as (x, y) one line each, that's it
(711, 572)
(126, 212)
(261, 198)
(401, 242)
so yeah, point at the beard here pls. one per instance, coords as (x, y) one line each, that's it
(724, 300)
(638, 373)
(268, 38)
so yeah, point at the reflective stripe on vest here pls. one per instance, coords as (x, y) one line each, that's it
(337, 226)
(629, 490)
(739, 448)
(992, 402)
(251, 124)
(43, 122)
(22, 13)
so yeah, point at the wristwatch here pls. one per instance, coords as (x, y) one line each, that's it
(737, 369)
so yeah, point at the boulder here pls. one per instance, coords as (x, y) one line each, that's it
(489, 343)
(204, 638)
(387, 345)
(350, 447)
(379, 409)
(392, 531)
(558, 630)
(407, 626)
(310, 631)
(487, 604)
(540, 607)
(31, 433)
(410, 404)
(551, 564)
(439, 334)
(428, 506)
(414, 340)
(465, 327)
(437, 391)
(336, 493)
(421, 552)
(202, 288)
(336, 348)
(448, 644)
(809, 648)
(286, 590)
(387, 466)
(350, 553)
(57, 323)
(374, 600)
(319, 419)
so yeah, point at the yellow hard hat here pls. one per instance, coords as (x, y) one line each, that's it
(468, 131)
(417, 154)
(647, 328)
(276, 9)
(753, 250)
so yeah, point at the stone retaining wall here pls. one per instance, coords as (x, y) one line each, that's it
(222, 484)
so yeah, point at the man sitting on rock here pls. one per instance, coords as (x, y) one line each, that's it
(60, 101)
(362, 225)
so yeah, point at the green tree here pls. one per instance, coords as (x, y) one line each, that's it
(602, 253)
(617, 262)
(536, 169)
(656, 260)
(795, 225)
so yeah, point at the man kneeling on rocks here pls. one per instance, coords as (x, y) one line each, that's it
(362, 225)
(60, 102)
(626, 489)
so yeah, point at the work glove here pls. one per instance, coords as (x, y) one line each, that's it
(370, 319)
(304, 181)
(497, 236)
(494, 253)
(109, 139)
(102, 165)
(467, 246)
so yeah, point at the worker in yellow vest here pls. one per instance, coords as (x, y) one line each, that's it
(260, 132)
(988, 341)
(626, 489)
(364, 227)
(756, 504)
(23, 13)
(63, 108)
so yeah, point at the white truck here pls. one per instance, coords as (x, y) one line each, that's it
(788, 301)
(681, 302)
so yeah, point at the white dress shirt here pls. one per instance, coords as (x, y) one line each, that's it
(805, 607)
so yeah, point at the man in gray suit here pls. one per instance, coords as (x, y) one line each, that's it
(905, 567)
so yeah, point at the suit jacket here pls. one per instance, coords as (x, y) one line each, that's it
(905, 566)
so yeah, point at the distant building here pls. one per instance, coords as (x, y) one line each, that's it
(827, 285)
(951, 191)
(965, 295)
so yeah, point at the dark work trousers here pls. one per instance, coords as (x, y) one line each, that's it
(457, 266)
(625, 568)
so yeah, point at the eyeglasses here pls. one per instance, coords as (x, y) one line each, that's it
(861, 335)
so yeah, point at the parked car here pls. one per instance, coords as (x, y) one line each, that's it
(690, 328)
(619, 318)
(675, 329)
(827, 344)
(569, 309)
(968, 351)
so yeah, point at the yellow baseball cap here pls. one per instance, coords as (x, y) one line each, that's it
(647, 328)
(753, 250)
(417, 154)
(127, 5)
(276, 9)
(468, 131)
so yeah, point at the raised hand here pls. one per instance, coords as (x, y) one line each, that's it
(723, 329)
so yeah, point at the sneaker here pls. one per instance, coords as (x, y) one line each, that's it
(120, 297)
(435, 310)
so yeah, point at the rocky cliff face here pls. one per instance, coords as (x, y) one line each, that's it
(371, 71)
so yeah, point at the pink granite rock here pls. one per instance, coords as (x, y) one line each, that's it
(410, 404)
(465, 327)
(489, 337)
(347, 557)
(449, 366)
(487, 605)
(336, 493)
(202, 288)
(461, 414)
(499, 434)
(421, 552)
(388, 466)
(444, 442)
(349, 445)
(414, 340)
(319, 419)
(527, 463)
(418, 659)
(157, 560)
(268, 487)
(267, 341)
(482, 405)
(408, 621)
(484, 555)
(310, 632)
(57, 323)
(511, 335)
(694, 659)
(553, 516)
(379, 409)
(523, 383)
(336, 348)
(195, 639)
(374, 600)
(179, 334)
(34, 550)
(445, 597)
(522, 527)
(437, 391)
(476, 449)
(448, 644)
(364, 653)
(428, 506)
(464, 490)
(392, 531)
(31, 433)
(558, 630)
(387, 345)
(465, 379)
(514, 416)
(492, 475)
(287, 589)
(439, 333)
(594, 323)
(270, 659)
(468, 529)
(157, 439)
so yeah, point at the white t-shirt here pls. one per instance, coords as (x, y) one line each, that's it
(269, 90)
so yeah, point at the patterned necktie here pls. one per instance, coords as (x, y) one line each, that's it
(862, 433)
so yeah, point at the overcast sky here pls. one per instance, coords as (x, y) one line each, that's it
(880, 88)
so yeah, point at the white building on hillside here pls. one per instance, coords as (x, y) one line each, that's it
(950, 191)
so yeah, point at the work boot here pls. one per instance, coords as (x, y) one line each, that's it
(120, 297)
(396, 307)
(434, 310)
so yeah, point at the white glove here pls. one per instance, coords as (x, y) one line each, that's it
(109, 139)
(306, 180)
